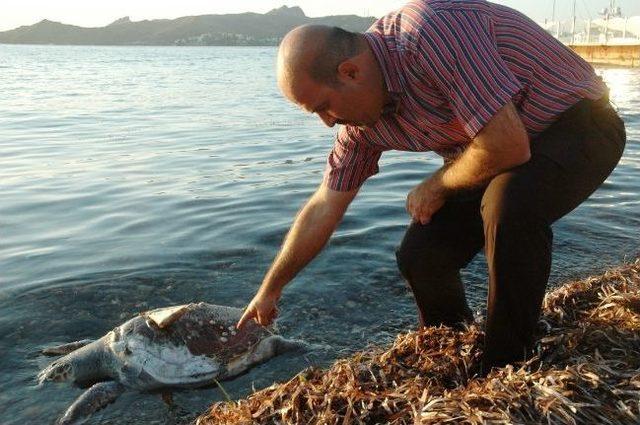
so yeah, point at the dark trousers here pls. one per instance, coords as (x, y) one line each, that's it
(511, 217)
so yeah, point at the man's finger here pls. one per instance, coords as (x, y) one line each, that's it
(245, 316)
(260, 318)
(273, 314)
(267, 318)
(417, 214)
(424, 217)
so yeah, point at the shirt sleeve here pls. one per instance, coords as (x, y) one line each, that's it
(457, 51)
(351, 161)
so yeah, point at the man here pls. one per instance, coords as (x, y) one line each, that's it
(523, 123)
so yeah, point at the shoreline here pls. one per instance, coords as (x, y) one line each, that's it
(586, 370)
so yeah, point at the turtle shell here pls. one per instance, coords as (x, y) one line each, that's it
(185, 345)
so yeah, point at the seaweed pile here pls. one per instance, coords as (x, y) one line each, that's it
(586, 370)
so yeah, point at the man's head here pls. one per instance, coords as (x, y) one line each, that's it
(331, 72)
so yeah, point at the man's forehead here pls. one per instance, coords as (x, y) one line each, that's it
(309, 97)
(312, 107)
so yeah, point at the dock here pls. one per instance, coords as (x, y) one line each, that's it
(626, 55)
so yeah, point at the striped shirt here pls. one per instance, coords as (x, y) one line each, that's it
(449, 66)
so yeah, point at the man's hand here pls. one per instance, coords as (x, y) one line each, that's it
(502, 144)
(423, 201)
(263, 308)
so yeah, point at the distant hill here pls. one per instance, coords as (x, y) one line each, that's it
(243, 29)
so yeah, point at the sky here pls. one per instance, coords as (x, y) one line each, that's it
(89, 13)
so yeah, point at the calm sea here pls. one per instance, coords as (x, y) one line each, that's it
(138, 177)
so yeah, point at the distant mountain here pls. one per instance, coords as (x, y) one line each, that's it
(243, 29)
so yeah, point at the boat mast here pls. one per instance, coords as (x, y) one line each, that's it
(573, 24)
(553, 18)
(611, 11)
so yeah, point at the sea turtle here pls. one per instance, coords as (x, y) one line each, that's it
(185, 346)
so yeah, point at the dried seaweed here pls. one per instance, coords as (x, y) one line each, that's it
(586, 370)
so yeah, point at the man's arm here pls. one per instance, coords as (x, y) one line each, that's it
(312, 228)
(502, 144)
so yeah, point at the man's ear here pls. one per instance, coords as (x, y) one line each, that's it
(348, 70)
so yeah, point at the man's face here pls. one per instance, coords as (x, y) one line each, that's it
(348, 102)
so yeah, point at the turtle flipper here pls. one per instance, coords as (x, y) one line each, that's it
(92, 400)
(283, 345)
(60, 350)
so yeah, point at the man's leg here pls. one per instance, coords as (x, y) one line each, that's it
(569, 161)
(431, 256)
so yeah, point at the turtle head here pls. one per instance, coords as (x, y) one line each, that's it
(84, 366)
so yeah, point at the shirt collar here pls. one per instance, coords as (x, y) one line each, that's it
(382, 54)
(389, 73)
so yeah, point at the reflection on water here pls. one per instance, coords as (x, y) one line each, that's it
(140, 177)
(623, 85)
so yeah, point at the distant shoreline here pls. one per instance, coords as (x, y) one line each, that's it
(243, 29)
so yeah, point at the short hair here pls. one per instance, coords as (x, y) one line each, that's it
(338, 46)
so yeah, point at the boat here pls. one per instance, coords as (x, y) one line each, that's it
(612, 39)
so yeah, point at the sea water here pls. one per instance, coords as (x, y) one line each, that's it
(139, 177)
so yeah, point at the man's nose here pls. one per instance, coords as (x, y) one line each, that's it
(327, 119)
